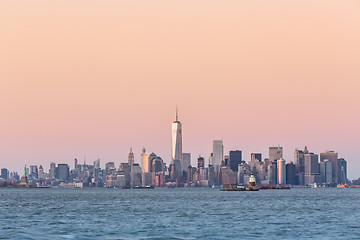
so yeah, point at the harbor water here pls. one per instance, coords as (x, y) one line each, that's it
(179, 214)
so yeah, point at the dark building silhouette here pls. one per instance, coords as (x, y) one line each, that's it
(62, 172)
(235, 158)
(291, 174)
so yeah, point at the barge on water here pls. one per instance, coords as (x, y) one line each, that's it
(234, 187)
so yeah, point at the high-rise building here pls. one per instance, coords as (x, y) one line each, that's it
(4, 174)
(109, 166)
(62, 172)
(145, 163)
(326, 171)
(41, 172)
(136, 175)
(131, 158)
(342, 164)
(275, 153)
(186, 161)
(218, 152)
(332, 157)
(177, 139)
(290, 174)
(157, 165)
(211, 160)
(97, 163)
(281, 168)
(299, 157)
(235, 158)
(200, 162)
(52, 170)
(151, 158)
(125, 168)
(34, 171)
(312, 173)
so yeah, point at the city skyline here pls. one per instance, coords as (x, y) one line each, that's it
(107, 77)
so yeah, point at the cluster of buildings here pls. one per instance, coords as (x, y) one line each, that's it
(306, 169)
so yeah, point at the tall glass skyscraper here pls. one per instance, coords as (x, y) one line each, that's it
(218, 151)
(177, 140)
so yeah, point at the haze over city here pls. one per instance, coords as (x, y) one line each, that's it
(93, 79)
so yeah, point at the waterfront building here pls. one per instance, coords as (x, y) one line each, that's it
(273, 173)
(291, 174)
(186, 161)
(211, 175)
(189, 174)
(125, 168)
(145, 163)
(120, 180)
(227, 175)
(52, 170)
(62, 172)
(135, 175)
(235, 158)
(147, 178)
(131, 158)
(218, 152)
(326, 171)
(177, 140)
(312, 173)
(281, 169)
(342, 164)
(333, 158)
(4, 173)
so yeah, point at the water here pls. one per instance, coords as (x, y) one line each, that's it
(179, 214)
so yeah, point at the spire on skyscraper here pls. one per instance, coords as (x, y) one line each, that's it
(177, 115)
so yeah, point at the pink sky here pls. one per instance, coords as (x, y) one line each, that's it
(98, 77)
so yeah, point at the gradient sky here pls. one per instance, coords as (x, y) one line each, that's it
(94, 78)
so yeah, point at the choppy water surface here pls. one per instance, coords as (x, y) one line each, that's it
(179, 214)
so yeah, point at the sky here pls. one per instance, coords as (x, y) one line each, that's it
(87, 79)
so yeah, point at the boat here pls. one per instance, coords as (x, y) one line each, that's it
(342, 186)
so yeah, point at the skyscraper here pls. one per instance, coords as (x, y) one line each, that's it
(235, 158)
(275, 153)
(333, 158)
(186, 161)
(290, 174)
(145, 163)
(177, 139)
(218, 152)
(200, 162)
(97, 163)
(312, 172)
(281, 171)
(131, 158)
(4, 173)
(62, 172)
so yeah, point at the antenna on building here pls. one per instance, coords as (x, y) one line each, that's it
(177, 115)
